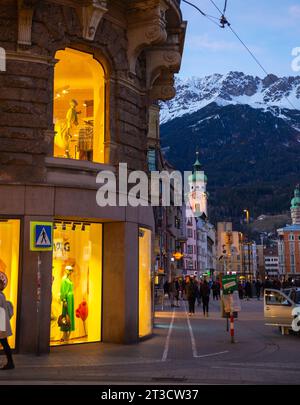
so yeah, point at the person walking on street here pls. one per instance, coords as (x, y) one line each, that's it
(241, 290)
(248, 290)
(167, 288)
(214, 290)
(177, 293)
(6, 312)
(218, 290)
(190, 292)
(172, 293)
(198, 295)
(205, 292)
(258, 289)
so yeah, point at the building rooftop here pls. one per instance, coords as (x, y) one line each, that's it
(290, 228)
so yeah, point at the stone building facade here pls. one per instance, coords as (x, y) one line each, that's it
(289, 242)
(80, 73)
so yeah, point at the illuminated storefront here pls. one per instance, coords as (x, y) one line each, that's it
(145, 282)
(76, 283)
(79, 105)
(9, 264)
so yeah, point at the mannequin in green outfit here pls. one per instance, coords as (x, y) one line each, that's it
(67, 298)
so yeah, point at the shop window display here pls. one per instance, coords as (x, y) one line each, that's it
(76, 283)
(9, 264)
(145, 290)
(79, 94)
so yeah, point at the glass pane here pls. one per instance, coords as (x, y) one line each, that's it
(275, 298)
(145, 296)
(79, 97)
(9, 264)
(76, 288)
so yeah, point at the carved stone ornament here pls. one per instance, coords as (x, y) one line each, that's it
(90, 17)
(25, 14)
(146, 27)
(163, 88)
(158, 59)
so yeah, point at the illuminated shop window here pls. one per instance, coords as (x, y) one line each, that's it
(145, 295)
(9, 264)
(76, 283)
(79, 95)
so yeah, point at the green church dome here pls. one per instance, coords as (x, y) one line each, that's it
(295, 203)
(198, 173)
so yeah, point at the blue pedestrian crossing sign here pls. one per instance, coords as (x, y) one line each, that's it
(41, 236)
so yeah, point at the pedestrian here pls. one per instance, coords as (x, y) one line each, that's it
(267, 284)
(205, 292)
(218, 289)
(190, 292)
(177, 292)
(241, 290)
(172, 292)
(198, 295)
(253, 289)
(167, 288)
(7, 311)
(214, 290)
(183, 288)
(258, 289)
(248, 290)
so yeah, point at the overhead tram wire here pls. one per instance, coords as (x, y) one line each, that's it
(223, 21)
(210, 17)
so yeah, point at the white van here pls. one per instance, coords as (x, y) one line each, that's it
(279, 306)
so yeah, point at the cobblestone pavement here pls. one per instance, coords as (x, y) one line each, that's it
(182, 350)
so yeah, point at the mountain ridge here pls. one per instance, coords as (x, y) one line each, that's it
(195, 93)
(250, 154)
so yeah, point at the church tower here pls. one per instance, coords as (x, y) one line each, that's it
(295, 206)
(197, 195)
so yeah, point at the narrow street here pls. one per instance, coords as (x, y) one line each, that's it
(194, 350)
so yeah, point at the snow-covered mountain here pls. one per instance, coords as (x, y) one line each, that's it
(248, 137)
(275, 94)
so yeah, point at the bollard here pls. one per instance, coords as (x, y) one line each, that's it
(232, 327)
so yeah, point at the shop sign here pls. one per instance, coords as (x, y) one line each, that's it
(229, 284)
(41, 236)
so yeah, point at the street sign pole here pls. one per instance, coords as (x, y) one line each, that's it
(229, 286)
(38, 304)
(231, 319)
(41, 240)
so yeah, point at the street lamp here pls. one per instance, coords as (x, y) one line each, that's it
(247, 216)
(248, 243)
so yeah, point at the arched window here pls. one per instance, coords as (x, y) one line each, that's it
(79, 106)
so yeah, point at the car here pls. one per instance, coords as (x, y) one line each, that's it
(279, 307)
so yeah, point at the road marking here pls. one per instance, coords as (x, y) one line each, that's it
(212, 354)
(194, 348)
(165, 354)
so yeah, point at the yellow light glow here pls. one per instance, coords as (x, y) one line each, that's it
(145, 291)
(178, 255)
(78, 76)
(9, 264)
(80, 251)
